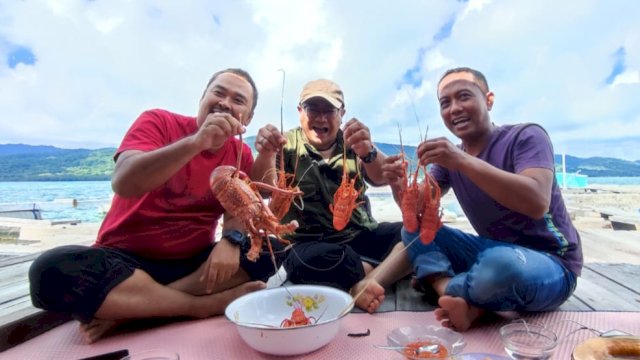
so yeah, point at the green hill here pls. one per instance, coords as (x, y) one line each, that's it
(47, 163)
(20, 162)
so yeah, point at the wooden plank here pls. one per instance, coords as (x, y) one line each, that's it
(601, 294)
(19, 309)
(606, 246)
(622, 225)
(68, 222)
(15, 259)
(9, 293)
(626, 275)
(574, 304)
(409, 299)
(15, 271)
(28, 327)
(13, 306)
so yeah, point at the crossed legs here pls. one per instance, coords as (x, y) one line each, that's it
(140, 296)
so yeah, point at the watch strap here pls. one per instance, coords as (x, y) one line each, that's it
(235, 237)
(371, 156)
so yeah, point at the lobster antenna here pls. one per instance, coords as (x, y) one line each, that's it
(401, 145)
(400, 136)
(415, 112)
(240, 150)
(282, 103)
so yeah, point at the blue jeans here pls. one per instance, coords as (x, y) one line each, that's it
(491, 274)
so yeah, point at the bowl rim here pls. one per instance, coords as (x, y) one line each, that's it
(289, 289)
(514, 325)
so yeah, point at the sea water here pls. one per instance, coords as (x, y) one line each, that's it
(92, 198)
(86, 201)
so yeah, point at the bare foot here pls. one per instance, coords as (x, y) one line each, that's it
(216, 303)
(371, 295)
(97, 328)
(455, 313)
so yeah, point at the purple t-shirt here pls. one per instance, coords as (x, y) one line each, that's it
(514, 148)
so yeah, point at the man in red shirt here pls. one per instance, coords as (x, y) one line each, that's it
(155, 255)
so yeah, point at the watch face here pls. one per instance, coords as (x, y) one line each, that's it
(234, 236)
(371, 156)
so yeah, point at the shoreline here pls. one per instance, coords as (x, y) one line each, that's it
(586, 207)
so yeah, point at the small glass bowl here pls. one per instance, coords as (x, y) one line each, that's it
(403, 336)
(528, 341)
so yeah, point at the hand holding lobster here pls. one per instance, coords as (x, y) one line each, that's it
(345, 199)
(240, 198)
(269, 140)
(357, 137)
(393, 170)
(419, 202)
(441, 151)
(215, 128)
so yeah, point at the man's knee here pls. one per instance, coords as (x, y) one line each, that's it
(498, 273)
(62, 279)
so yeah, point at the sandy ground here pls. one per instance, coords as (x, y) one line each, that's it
(585, 207)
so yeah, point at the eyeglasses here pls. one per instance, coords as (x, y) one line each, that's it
(313, 112)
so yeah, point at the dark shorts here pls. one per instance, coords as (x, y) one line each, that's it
(340, 265)
(76, 279)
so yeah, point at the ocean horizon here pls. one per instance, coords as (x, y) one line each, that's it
(56, 199)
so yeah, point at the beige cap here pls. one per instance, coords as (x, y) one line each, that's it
(325, 89)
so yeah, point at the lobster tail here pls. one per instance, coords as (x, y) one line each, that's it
(431, 222)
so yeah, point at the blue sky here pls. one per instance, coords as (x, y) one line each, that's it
(78, 73)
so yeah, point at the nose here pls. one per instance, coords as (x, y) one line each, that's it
(455, 108)
(225, 103)
(325, 115)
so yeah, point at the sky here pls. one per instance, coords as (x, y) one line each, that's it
(76, 74)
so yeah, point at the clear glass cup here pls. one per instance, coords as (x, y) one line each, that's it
(524, 341)
(156, 354)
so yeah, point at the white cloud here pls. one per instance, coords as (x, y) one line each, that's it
(99, 64)
(627, 77)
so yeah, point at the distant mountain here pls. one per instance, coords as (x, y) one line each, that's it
(599, 166)
(19, 162)
(20, 149)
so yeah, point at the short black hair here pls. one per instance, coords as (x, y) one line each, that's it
(476, 74)
(243, 74)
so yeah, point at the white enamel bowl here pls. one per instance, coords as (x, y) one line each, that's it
(258, 317)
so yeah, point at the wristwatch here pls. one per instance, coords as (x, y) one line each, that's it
(235, 237)
(370, 157)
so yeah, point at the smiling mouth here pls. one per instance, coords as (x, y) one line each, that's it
(320, 130)
(458, 122)
(216, 109)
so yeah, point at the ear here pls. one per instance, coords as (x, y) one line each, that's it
(490, 97)
(246, 122)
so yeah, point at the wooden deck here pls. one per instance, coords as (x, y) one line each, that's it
(604, 286)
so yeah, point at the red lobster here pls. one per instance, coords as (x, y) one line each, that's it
(420, 203)
(240, 197)
(281, 200)
(431, 214)
(344, 199)
(298, 318)
(411, 196)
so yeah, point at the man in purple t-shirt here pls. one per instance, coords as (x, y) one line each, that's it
(527, 254)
